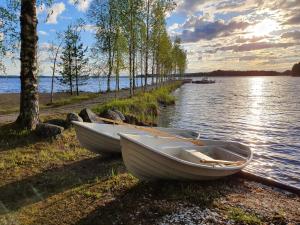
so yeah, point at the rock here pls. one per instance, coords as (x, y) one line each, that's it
(73, 117)
(121, 116)
(88, 116)
(47, 130)
(131, 119)
(58, 122)
(112, 115)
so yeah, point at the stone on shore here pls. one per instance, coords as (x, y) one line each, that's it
(58, 122)
(113, 115)
(73, 117)
(122, 117)
(88, 116)
(47, 130)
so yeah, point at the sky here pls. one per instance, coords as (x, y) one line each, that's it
(217, 34)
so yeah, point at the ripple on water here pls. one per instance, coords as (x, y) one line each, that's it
(262, 112)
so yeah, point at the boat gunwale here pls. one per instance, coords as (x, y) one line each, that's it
(249, 159)
(82, 124)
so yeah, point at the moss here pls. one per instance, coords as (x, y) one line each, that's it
(241, 217)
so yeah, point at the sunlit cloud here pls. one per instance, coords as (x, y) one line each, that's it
(81, 5)
(239, 34)
(54, 12)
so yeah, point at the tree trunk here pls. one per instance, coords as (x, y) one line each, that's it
(76, 70)
(141, 76)
(153, 64)
(109, 71)
(54, 70)
(29, 101)
(52, 80)
(147, 44)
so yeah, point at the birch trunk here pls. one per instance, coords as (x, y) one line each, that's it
(29, 101)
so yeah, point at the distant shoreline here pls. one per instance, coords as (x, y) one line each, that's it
(233, 73)
(215, 73)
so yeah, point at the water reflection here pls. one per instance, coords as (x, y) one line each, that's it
(262, 112)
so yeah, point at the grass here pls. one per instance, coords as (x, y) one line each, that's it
(241, 217)
(73, 99)
(143, 107)
(9, 110)
(60, 100)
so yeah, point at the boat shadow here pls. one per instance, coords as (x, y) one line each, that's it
(147, 202)
(18, 194)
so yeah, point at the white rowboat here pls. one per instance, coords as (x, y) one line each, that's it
(151, 157)
(104, 138)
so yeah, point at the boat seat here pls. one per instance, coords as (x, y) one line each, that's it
(194, 156)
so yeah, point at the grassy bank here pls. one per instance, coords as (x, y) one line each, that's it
(144, 106)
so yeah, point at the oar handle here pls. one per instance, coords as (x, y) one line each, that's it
(222, 162)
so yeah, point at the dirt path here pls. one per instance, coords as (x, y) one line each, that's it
(74, 107)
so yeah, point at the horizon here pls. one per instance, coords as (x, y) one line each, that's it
(197, 72)
(221, 34)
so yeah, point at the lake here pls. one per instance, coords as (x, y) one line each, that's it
(12, 84)
(262, 112)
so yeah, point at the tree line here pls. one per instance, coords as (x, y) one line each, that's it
(131, 36)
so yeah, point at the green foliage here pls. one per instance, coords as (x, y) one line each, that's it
(74, 61)
(179, 57)
(242, 217)
(131, 28)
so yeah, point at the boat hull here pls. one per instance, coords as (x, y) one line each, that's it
(104, 138)
(96, 142)
(146, 164)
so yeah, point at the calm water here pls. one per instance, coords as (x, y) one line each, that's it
(12, 85)
(262, 112)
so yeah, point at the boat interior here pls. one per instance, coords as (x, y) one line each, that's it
(215, 152)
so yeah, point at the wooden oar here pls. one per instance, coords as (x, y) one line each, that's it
(224, 162)
(154, 131)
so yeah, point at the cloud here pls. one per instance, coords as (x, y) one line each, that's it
(44, 33)
(248, 58)
(54, 12)
(81, 5)
(239, 5)
(190, 6)
(294, 20)
(40, 9)
(91, 28)
(252, 39)
(254, 46)
(201, 28)
(292, 34)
